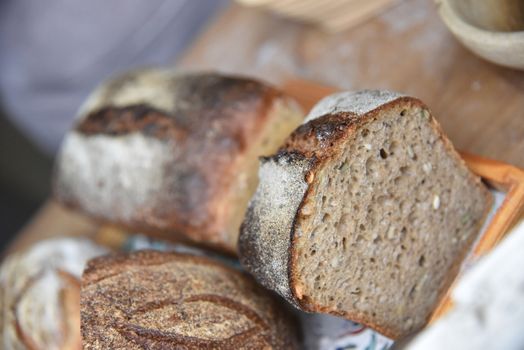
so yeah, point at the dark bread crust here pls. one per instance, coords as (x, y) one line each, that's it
(135, 118)
(207, 123)
(200, 102)
(320, 141)
(189, 292)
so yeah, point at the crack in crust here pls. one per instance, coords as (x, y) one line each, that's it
(115, 121)
(155, 339)
(143, 335)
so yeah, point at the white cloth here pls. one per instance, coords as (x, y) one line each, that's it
(489, 304)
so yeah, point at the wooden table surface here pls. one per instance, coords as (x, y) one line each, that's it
(405, 48)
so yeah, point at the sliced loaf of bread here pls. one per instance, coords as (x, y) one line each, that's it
(366, 213)
(155, 300)
(173, 155)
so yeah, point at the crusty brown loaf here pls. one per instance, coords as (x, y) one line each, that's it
(155, 300)
(297, 235)
(173, 155)
(40, 295)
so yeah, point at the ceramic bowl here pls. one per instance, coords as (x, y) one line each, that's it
(493, 29)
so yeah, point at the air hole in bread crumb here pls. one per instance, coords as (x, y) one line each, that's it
(344, 243)
(403, 112)
(393, 147)
(325, 217)
(403, 247)
(383, 153)
(422, 261)
(313, 252)
(372, 260)
(365, 132)
(359, 238)
(362, 227)
(370, 162)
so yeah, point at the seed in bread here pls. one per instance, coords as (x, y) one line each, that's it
(173, 155)
(156, 300)
(366, 213)
(40, 295)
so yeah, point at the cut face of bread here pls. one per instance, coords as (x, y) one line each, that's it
(173, 155)
(366, 213)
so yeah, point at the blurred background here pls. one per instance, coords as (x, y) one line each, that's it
(52, 55)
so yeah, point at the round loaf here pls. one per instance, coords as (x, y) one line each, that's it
(40, 295)
(155, 300)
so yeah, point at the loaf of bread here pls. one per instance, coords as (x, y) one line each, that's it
(155, 300)
(366, 213)
(40, 295)
(173, 155)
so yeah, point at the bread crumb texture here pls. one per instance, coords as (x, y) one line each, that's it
(381, 230)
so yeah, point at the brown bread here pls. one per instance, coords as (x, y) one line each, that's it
(365, 213)
(155, 300)
(173, 155)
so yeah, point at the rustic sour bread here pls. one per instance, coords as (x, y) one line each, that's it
(40, 295)
(171, 154)
(366, 213)
(155, 300)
